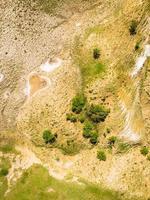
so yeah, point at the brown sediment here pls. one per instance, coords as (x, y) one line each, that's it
(36, 83)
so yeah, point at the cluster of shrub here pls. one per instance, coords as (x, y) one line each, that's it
(101, 155)
(89, 131)
(90, 115)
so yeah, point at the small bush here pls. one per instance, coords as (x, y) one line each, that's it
(137, 46)
(108, 130)
(96, 53)
(78, 103)
(3, 172)
(94, 137)
(101, 155)
(48, 136)
(144, 151)
(71, 117)
(148, 157)
(87, 129)
(81, 118)
(133, 27)
(97, 113)
(112, 140)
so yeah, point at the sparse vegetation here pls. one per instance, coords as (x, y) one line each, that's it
(71, 117)
(97, 113)
(4, 166)
(70, 148)
(133, 27)
(3, 186)
(78, 103)
(101, 155)
(91, 68)
(35, 182)
(7, 148)
(148, 157)
(144, 150)
(4, 169)
(41, 34)
(48, 136)
(122, 147)
(96, 53)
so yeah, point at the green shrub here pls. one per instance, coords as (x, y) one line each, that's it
(94, 137)
(48, 136)
(137, 46)
(87, 129)
(112, 140)
(97, 113)
(133, 27)
(81, 118)
(71, 117)
(101, 155)
(96, 53)
(144, 151)
(3, 172)
(78, 103)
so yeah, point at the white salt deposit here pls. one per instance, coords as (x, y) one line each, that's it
(78, 24)
(51, 66)
(1, 77)
(68, 165)
(27, 88)
(141, 60)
